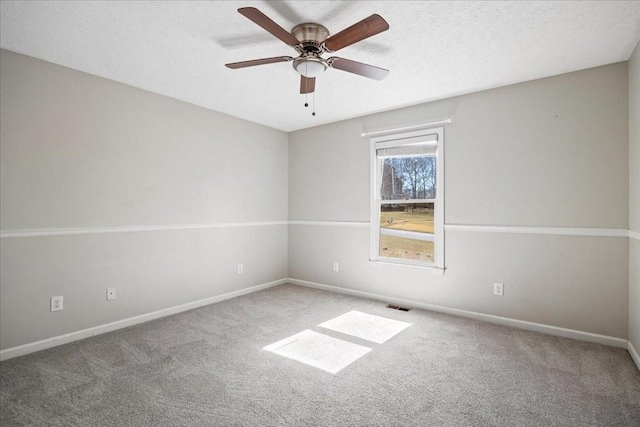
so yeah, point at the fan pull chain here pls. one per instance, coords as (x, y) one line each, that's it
(306, 86)
(313, 99)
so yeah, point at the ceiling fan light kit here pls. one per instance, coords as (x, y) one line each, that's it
(310, 66)
(311, 40)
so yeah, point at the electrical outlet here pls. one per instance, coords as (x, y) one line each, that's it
(111, 294)
(240, 269)
(498, 289)
(56, 303)
(336, 267)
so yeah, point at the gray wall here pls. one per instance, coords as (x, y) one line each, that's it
(78, 151)
(634, 198)
(550, 152)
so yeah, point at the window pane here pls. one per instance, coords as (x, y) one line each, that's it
(408, 178)
(406, 231)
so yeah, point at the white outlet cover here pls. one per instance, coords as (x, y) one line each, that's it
(57, 303)
(111, 294)
(336, 267)
(240, 268)
(498, 289)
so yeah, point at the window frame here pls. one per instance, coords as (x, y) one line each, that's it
(375, 200)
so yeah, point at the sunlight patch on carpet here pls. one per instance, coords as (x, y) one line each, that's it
(366, 326)
(318, 350)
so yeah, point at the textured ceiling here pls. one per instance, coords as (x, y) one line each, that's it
(433, 49)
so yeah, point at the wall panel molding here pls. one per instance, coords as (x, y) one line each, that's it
(359, 224)
(9, 234)
(561, 231)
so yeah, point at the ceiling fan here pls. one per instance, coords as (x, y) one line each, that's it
(311, 40)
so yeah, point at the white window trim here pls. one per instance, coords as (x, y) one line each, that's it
(375, 200)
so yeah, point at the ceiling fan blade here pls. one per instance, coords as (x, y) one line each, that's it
(359, 68)
(366, 28)
(243, 64)
(307, 84)
(268, 24)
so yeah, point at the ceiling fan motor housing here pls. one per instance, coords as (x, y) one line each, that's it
(311, 36)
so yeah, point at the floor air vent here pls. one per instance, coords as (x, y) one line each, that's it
(397, 307)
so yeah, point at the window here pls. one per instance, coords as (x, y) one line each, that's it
(407, 204)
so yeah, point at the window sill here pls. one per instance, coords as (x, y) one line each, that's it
(427, 268)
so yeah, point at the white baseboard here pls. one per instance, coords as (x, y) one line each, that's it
(520, 324)
(21, 350)
(634, 355)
